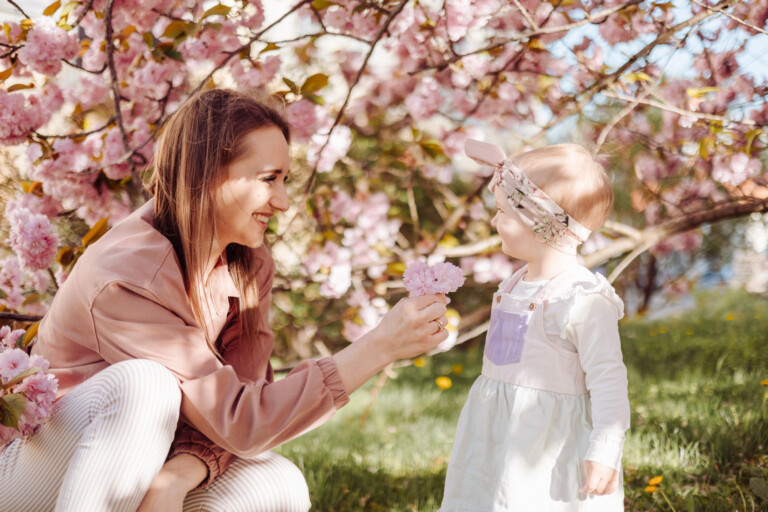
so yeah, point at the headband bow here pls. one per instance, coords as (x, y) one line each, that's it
(543, 215)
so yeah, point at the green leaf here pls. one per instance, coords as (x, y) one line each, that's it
(314, 98)
(149, 38)
(21, 376)
(6, 74)
(639, 76)
(216, 10)
(701, 91)
(751, 136)
(760, 487)
(179, 28)
(314, 83)
(52, 8)
(294, 88)
(30, 334)
(269, 48)
(21, 87)
(3, 295)
(96, 232)
(319, 5)
(432, 147)
(12, 406)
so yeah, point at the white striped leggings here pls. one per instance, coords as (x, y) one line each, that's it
(108, 438)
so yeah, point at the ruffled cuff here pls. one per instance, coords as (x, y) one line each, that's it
(332, 381)
(606, 450)
(194, 443)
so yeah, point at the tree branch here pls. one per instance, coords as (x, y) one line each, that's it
(382, 29)
(19, 8)
(4, 315)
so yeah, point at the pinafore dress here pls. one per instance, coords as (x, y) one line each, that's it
(524, 430)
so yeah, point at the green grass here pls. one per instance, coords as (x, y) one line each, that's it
(699, 419)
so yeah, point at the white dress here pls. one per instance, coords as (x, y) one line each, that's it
(553, 392)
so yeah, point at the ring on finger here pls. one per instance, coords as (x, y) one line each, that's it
(440, 325)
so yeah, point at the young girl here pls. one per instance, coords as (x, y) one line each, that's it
(543, 426)
(165, 318)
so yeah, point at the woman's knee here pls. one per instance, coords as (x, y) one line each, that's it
(147, 385)
(267, 483)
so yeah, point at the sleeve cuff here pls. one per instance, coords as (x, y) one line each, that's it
(210, 458)
(606, 450)
(332, 380)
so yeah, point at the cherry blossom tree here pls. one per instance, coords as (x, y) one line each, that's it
(381, 95)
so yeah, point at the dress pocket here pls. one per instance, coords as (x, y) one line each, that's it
(506, 337)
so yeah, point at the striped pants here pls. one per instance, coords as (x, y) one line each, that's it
(108, 438)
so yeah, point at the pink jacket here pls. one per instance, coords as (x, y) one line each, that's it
(125, 299)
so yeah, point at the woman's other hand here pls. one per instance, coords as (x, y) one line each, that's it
(414, 326)
(170, 486)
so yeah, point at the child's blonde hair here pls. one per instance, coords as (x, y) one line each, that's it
(573, 179)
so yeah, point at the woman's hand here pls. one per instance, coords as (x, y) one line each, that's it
(176, 478)
(600, 479)
(414, 326)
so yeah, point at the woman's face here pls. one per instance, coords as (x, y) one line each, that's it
(253, 189)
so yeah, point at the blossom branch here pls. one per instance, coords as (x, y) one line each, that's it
(116, 97)
(379, 34)
(670, 108)
(531, 34)
(19, 9)
(684, 222)
(5, 315)
(106, 125)
(731, 16)
(526, 15)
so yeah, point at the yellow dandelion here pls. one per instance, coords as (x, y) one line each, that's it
(729, 317)
(662, 330)
(419, 362)
(764, 382)
(651, 488)
(443, 382)
(689, 332)
(457, 368)
(655, 480)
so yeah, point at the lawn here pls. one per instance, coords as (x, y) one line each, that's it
(697, 386)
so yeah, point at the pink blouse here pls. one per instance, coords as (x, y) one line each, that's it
(125, 299)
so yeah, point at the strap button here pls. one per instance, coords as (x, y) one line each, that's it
(532, 306)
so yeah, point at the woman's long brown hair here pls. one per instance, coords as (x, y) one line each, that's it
(197, 144)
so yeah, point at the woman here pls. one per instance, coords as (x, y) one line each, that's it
(164, 319)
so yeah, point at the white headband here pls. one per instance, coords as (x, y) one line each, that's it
(542, 214)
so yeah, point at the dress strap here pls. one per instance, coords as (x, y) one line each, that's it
(515, 278)
(546, 290)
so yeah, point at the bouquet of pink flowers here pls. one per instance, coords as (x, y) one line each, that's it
(26, 391)
(422, 279)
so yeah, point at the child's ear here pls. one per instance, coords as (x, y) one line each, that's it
(484, 153)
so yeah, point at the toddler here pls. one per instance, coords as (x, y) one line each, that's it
(543, 427)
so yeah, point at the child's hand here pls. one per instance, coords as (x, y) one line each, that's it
(601, 479)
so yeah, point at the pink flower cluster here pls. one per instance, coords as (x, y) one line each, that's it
(47, 45)
(33, 239)
(23, 377)
(422, 279)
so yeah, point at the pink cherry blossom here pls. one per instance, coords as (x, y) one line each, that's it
(421, 279)
(735, 169)
(337, 147)
(46, 45)
(33, 239)
(305, 118)
(9, 338)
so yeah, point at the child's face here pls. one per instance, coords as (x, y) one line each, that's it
(516, 235)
